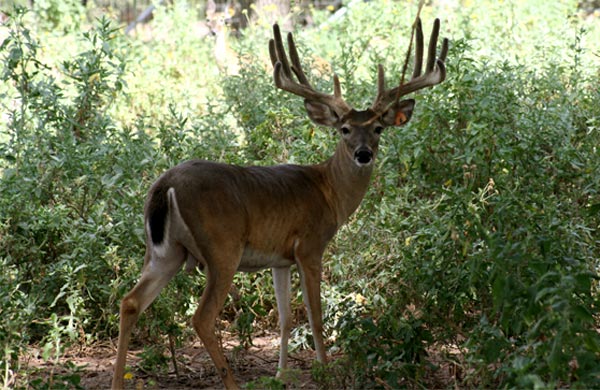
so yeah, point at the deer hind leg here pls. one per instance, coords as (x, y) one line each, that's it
(156, 273)
(219, 277)
(282, 284)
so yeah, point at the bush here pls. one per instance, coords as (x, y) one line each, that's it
(487, 221)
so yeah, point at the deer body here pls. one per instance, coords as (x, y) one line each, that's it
(270, 211)
(224, 218)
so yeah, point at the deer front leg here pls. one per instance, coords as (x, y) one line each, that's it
(310, 275)
(218, 284)
(281, 283)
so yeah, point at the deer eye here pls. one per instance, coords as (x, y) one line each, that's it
(378, 130)
(345, 130)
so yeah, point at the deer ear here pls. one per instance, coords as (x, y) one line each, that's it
(211, 7)
(399, 113)
(321, 114)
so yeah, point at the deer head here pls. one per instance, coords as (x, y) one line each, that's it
(359, 129)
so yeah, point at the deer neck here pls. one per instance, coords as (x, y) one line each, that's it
(221, 44)
(347, 183)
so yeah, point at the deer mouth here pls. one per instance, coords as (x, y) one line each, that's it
(363, 156)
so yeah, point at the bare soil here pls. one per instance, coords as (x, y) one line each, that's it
(93, 366)
(194, 367)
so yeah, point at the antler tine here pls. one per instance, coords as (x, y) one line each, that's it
(435, 70)
(380, 82)
(272, 52)
(279, 51)
(282, 74)
(296, 65)
(418, 50)
(444, 51)
(435, 32)
(337, 89)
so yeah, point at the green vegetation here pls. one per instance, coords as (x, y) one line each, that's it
(473, 261)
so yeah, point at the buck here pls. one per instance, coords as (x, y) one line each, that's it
(225, 218)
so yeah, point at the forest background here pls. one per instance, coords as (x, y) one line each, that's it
(472, 262)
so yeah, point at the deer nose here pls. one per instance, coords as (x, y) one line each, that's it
(363, 156)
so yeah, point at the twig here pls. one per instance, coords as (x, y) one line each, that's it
(382, 383)
(172, 348)
(141, 17)
(255, 355)
(409, 50)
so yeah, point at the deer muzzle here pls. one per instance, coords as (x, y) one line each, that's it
(363, 156)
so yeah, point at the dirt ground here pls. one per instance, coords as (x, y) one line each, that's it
(93, 365)
(194, 367)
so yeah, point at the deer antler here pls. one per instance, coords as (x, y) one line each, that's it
(435, 70)
(282, 73)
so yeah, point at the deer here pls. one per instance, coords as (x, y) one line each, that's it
(227, 59)
(225, 218)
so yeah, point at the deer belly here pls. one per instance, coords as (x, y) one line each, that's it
(254, 260)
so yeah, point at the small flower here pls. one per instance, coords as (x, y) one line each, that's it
(94, 78)
(360, 299)
(128, 376)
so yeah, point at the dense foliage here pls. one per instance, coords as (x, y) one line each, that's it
(473, 261)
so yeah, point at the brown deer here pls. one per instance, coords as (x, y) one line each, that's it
(225, 218)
